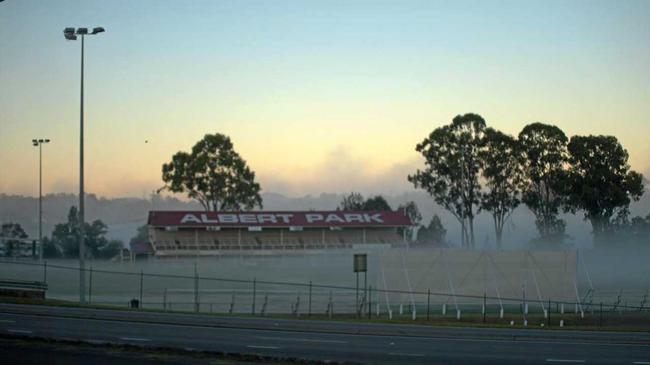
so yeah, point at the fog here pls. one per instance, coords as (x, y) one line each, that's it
(124, 215)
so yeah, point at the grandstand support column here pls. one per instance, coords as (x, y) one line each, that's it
(364, 235)
(322, 236)
(282, 238)
(239, 238)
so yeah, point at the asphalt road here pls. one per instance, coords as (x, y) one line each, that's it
(328, 340)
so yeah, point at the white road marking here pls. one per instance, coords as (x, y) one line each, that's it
(134, 339)
(299, 339)
(404, 354)
(263, 347)
(18, 331)
(563, 360)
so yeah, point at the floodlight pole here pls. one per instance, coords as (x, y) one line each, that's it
(40, 201)
(72, 34)
(39, 143)
(82, 244)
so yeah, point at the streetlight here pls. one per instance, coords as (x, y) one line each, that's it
(39, 143)
(71, 34)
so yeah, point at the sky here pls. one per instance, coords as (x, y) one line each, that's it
(317, 96)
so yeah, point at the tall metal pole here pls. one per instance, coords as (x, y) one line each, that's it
(40, 201)
(82, 248)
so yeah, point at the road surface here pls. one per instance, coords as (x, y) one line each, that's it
(327, 340)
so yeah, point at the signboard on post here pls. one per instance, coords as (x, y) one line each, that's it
(360, 262)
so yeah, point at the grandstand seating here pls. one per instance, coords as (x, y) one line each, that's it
(205, 242)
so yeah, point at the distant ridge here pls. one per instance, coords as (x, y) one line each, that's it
(124, 215)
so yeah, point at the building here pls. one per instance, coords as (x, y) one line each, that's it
(140, 250)
(200, 233)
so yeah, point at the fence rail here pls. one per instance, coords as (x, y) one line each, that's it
(263, 297)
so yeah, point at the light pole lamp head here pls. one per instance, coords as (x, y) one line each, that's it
(46, 140)
(35, 142)
(98, 30)
(68, 33)
(82, 30)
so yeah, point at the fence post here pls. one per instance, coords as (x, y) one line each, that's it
(90, 286)
(484, 305)
(330, 306)
(254, 292)
(369, 301)
(309, 310)
(141, 281)
(600, 318)
(45, 272)
(197, 305)
(428, 302)
(356, 301)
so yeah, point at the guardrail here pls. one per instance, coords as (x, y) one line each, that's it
(23, 284)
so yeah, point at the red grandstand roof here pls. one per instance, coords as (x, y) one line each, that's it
(278, 219)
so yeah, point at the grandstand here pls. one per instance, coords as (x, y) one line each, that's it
(181, 233)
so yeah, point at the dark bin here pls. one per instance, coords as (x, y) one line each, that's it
(135, 303)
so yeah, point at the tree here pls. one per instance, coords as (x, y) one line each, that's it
(51, 250)
(413, 213)
(452, 168)
(600, 181)
(640, 229)
(622, 230)
(434, 233)
(356, 202)
(377, 202)
(352, 201)
(502, 172)
(544, 149)
(109, 250)
(141, 236)
(12, 235)
(66, 237)
(213, 174)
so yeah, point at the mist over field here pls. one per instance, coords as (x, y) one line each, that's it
(124, 215)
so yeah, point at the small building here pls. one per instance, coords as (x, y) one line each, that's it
(200, 233)
(140, 250)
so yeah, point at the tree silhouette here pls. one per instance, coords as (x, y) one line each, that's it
(545, 157)
(213, 174)
(503, 175)
(452, 169)
(600, 181)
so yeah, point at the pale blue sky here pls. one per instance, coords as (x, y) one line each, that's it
(317, 96)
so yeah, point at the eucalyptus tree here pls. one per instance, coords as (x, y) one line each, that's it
(452, 169)
(503, 176)
(433, 233)
(544, 152)
(376, 202)
(356, 201)
(352, 201)
(412, 211)
(601, 183)
(214, 174)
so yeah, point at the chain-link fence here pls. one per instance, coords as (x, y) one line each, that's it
(259, 297)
